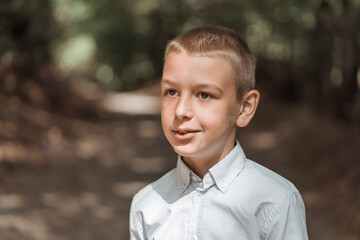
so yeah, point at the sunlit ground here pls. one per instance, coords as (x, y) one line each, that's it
(131, 104)
(63, 178)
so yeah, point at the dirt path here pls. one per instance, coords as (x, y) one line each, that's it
(64, 178)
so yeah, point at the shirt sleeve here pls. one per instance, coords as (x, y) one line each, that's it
(288, 220)
(135, 224)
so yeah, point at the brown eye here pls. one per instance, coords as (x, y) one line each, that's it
(204, 96)
(171, 92)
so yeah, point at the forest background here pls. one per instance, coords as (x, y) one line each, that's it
(79, 122)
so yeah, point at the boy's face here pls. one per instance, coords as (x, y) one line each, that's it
(199, 106)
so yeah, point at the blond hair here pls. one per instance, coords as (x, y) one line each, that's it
(219, 42)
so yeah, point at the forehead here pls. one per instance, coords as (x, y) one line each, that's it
(185, 68)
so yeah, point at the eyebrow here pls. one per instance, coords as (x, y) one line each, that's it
(201, 85)
(204, 85)
(165, 80)
(168, 81)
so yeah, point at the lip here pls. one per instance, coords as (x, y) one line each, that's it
(184, 134)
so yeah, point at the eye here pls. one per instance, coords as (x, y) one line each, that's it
(171, 92)
(204, 96)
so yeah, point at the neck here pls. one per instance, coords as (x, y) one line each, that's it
(200, 165)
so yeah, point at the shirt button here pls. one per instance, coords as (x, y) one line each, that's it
(194, 237)
(223, 185)
(193, 178)
(200, 194)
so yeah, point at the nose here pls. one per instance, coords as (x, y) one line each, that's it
(184, 108)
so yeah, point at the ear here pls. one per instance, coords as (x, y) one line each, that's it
(248, 107)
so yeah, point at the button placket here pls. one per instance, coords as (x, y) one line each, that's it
(196, 215)
(194, 237)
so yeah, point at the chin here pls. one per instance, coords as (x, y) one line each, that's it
(185, 151)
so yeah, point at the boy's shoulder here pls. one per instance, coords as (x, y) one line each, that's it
(154, 192)
(264, 184)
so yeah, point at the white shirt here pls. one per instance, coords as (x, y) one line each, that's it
(236, 199)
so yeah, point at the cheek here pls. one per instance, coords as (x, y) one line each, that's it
(166, 117)
(233, 114)
(164, 108)
(212, 122)
(219, 122)
(220, 114)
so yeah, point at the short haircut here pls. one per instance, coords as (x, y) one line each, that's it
(219, 42)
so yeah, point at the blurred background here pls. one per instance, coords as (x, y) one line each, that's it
(80, 129)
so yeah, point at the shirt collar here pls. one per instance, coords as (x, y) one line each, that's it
(182, 174)
(223, 173)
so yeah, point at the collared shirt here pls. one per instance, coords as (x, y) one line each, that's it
(236, 199)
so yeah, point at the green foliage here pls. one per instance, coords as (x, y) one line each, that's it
(306, 49)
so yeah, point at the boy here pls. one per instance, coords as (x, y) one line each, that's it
(214, 192)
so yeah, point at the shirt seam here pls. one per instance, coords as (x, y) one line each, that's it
(274, 210)
(136, 219)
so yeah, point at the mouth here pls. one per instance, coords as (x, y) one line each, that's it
(184, 133)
